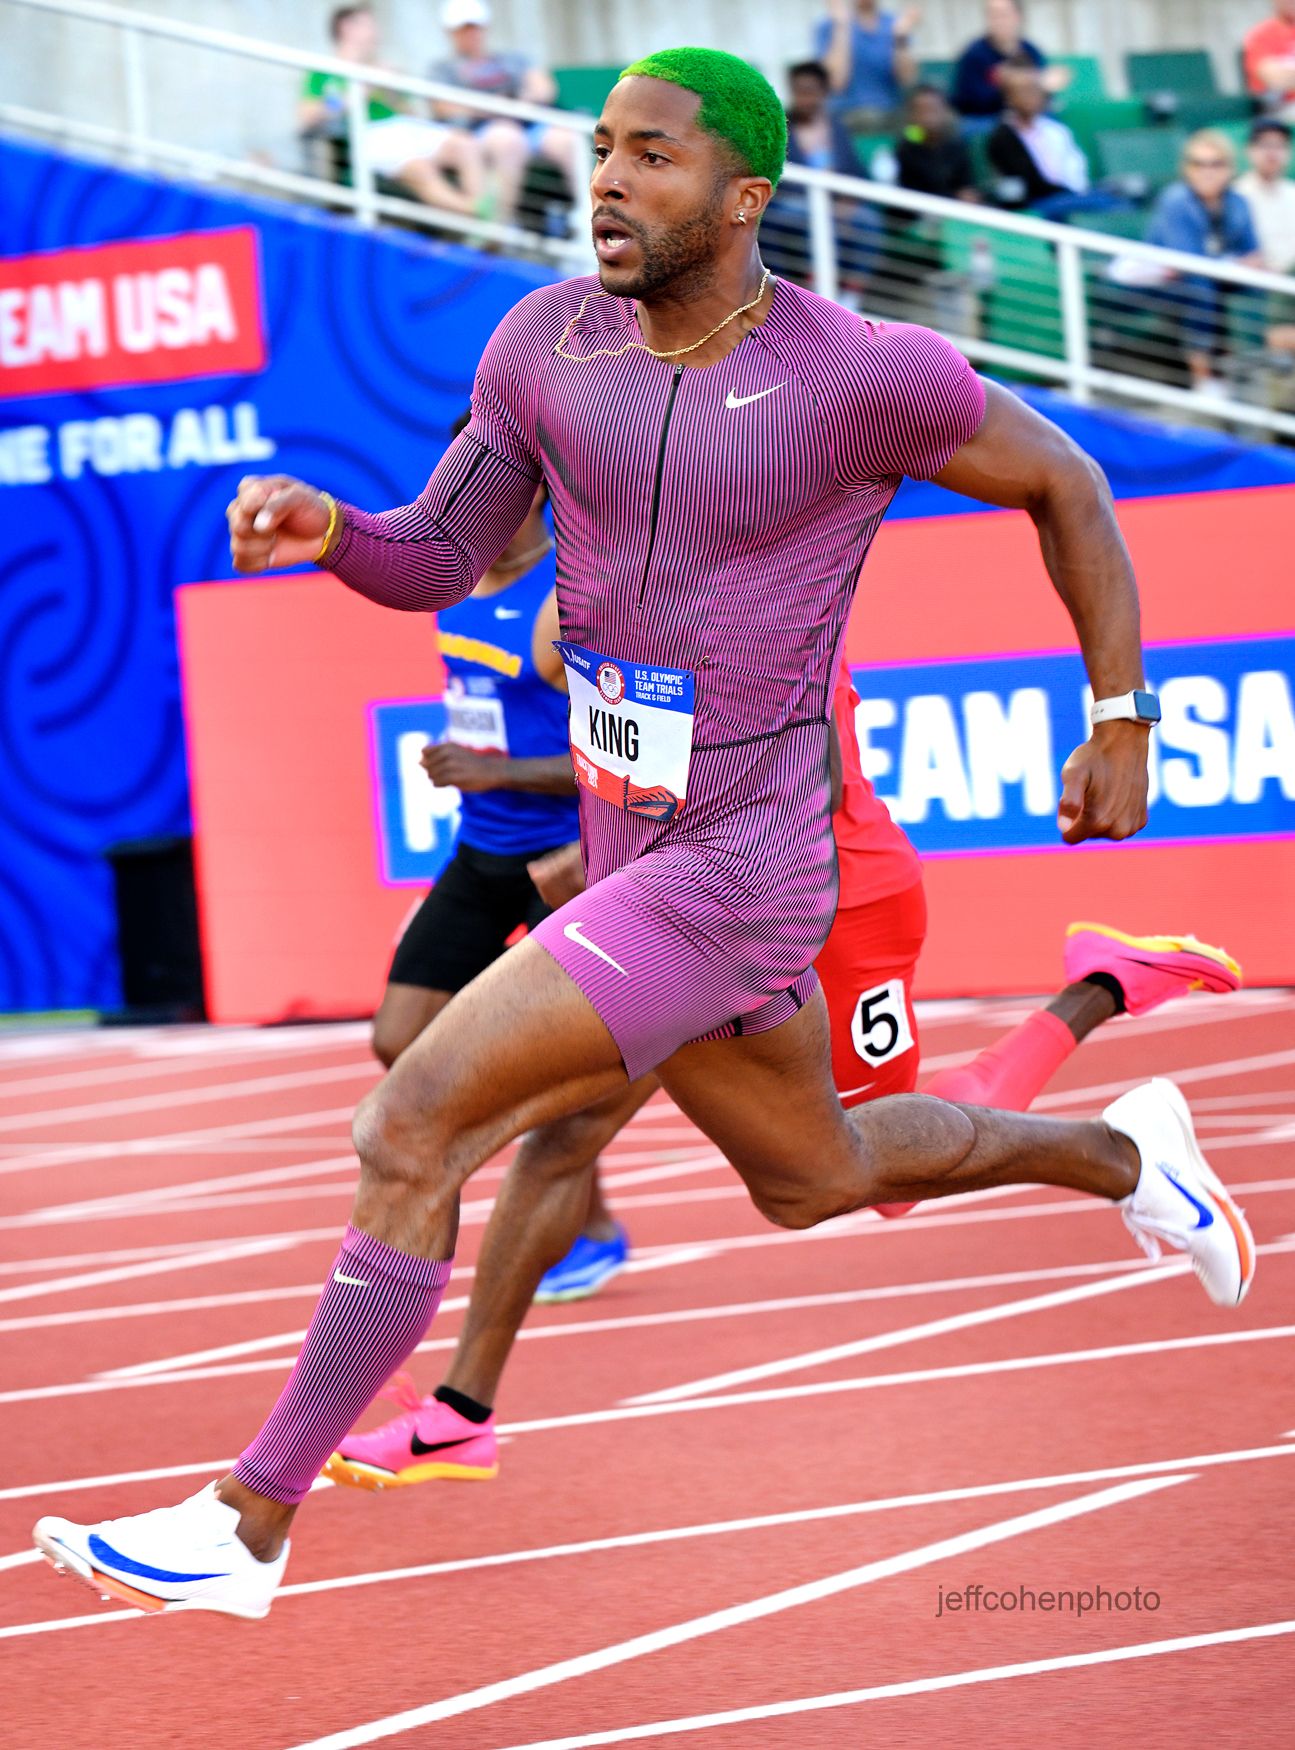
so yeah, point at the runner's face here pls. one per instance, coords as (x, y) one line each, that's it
(658, 189)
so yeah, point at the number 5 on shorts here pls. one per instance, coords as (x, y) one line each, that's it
(879, 1026)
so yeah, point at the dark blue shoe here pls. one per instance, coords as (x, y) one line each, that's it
(585, 1268)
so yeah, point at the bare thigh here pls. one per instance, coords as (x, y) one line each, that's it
(769, 1103)
(518, 1047)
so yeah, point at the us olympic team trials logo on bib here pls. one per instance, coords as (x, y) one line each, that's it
(611, 682)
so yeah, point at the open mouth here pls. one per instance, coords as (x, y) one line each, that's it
(611, 240)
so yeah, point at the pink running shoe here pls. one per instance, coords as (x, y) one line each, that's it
(430, 1440)
(1150, 970)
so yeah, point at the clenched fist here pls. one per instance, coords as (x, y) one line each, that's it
(275, 521)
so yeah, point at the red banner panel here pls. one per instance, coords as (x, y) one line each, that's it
(114, 314)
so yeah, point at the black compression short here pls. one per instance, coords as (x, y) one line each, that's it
(466, 919)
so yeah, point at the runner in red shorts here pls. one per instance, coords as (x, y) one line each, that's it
(866, 969)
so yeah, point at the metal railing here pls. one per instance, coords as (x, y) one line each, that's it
(1092, 313)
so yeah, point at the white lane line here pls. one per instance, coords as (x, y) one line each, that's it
(1239, 1102)
(214, 1093)
(192, 1259)
(733, 1616)
(175, 1194)
(21, 1559)
(653, 1320)
(213, 1468)
(1203, 1072)
(612, 1326)
(949, 1212)
(636, 1412)
(140, 1068)
(725, 1309)
(879, 1340)
(470, 1213)
(142, 1309)
(916, 1376)
(776, 1710)
(77, 1153)
(646, 1539)
(172, 1248)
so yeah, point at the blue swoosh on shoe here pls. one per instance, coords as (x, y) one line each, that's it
(1206, 1216)
(110, 1557)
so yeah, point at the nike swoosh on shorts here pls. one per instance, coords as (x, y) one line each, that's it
(572, 934)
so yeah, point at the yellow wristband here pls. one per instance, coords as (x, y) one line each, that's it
(333, 514)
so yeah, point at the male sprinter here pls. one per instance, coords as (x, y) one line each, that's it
(719, 452)
(507, 753)
(866, 969)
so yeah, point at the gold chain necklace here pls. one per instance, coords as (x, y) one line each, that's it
(580, 358)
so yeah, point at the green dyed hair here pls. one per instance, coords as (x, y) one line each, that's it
(738, 104)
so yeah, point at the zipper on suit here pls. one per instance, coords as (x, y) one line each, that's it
(656, 484)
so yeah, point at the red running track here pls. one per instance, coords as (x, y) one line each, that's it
(706, 1532)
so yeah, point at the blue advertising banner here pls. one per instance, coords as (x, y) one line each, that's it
(139, 380)
(417, 821)
(966, 754)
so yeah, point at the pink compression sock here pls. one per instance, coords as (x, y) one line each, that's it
(373, 1313)
(1009, 1075)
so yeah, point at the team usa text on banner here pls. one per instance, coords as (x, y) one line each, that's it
(966, 754)
(159, 310)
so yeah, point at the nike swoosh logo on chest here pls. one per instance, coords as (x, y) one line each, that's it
(745, 400)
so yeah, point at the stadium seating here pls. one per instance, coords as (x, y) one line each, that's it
(1090, 117)
(1184, 72)
(1087, 80)
(1022, 305)
(584, 88)
(936, 73)
(1146, 157)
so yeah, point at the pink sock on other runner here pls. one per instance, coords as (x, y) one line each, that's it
(1009, 1075)
(374, 1312)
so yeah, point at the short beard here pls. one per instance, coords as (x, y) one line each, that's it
(680, 262)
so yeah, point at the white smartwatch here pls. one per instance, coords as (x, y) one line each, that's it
(1136, 707)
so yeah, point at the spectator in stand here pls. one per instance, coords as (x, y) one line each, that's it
(931, 153)
(443, 168)
(817, 139)
(506, 145)
(869, 61)
(1270, 193)
(1204, 215)
(977, 92)
(1041, 164)
(1270, 60)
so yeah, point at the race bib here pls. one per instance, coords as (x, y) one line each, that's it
(474, 720)
(631, 730)
(879, 1026)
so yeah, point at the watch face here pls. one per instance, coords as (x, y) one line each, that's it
(1147, 706)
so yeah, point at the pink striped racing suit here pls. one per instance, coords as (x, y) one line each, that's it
(710, 527)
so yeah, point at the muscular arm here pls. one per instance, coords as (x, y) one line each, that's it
(433, 552)
(1021, 461)
(464, 768)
